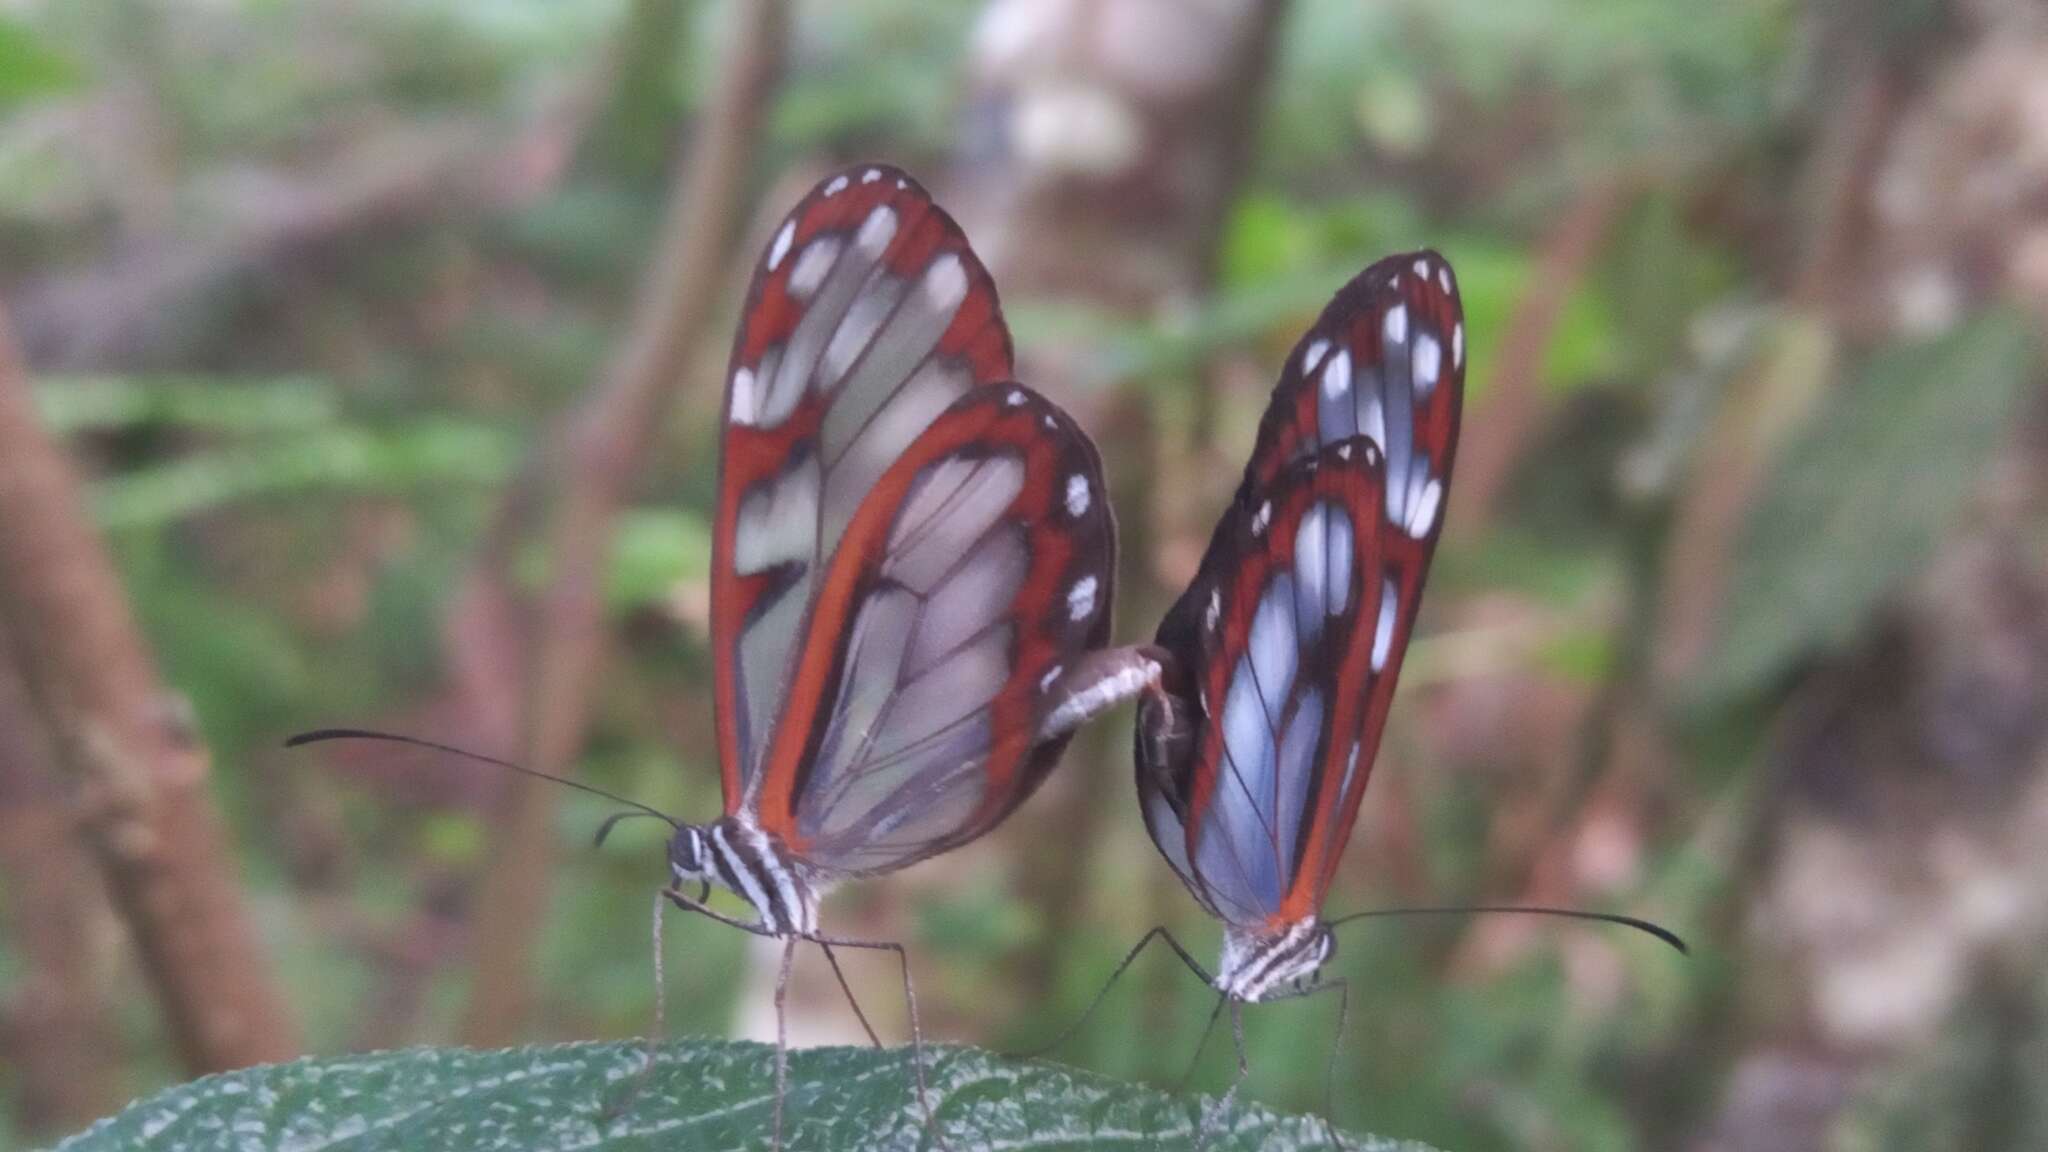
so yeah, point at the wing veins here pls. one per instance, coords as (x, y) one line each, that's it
(853, 366)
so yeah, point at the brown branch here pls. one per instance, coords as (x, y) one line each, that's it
(1129, 240)
(54, 1031)
(1514, 405)
(140, 770)
(603, 448)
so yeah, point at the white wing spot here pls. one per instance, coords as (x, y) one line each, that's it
(783, 239)
(1263, 517)
(1383, 632)
(1077, 494)
(812, 264)
(945, 283)
(1458, 345)
(1337, 375)
(742, 407)
(837, 186)
(1422, 269)
(902, 183)
(1443, 277)
(1215, 611)
(876, 231)
(1422, 516)
(1015, 397)
(1081, 598)
(1049, 422)
(1429, 356)
(871, 175)
(1046, 681)
(1397, 324)
(1314, 356)
(1344, 450)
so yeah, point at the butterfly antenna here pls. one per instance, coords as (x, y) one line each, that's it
(323, 735)
(1640, 925)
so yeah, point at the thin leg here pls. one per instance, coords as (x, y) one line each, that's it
(675, 896)
(931, 1121)
(782, 1035)
(654, 1038)
(1129, 957)
(1343, 990)
(848, 989)
(660, 984)
(1243, 1070)
(1215, 1014)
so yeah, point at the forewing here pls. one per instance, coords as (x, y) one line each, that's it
(969, 591)
(1242, 752)
(1384, 365)
(1385, 360)
(867, 317)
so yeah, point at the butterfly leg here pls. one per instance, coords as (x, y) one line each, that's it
(931, 1120)
(1244, 1070)
(1067, 1033)
(1343, 990)
(675, 896)
(848, 989)
(638, 1083)
(1208, 1029)
(782, 1035)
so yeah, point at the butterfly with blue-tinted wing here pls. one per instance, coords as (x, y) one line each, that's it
(1253, 751)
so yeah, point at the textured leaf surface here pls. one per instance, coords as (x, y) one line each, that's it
(701, 1095)
(1862, 499)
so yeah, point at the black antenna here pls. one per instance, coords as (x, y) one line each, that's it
(322, 735)
(604, 830)
(1643, 926)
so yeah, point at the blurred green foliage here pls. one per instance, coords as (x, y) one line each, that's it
(1880, 474)
(295, 500)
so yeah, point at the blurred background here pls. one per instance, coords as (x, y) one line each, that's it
(383, 342)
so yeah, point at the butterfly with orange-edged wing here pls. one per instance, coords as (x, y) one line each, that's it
(1253, 750)
(912, 573)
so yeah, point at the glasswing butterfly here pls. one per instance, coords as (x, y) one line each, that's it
(912, 572)
(1254, 746)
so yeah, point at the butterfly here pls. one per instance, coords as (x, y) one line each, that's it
(1254, 754)
(1253, 748)
(913, 564)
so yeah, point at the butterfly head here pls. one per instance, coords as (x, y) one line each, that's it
(689, 855)
(1260, 962)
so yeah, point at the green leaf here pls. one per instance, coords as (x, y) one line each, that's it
(1863, 497)
(701, 1094)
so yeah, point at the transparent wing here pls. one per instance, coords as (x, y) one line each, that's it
(867, 317)
(1240, 755)
(1386, 361)
(961, 613)
(1220, 768)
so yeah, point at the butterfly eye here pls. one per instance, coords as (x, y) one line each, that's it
(686, 854)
